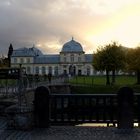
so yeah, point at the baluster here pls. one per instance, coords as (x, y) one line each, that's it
(76, 105)
(69, 110)
(62, 108)
(83, 106)
(97, 109)
(111, 112)
(90, 109)
(55, 108)
(104, 109)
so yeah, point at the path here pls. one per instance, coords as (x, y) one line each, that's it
(68, 133)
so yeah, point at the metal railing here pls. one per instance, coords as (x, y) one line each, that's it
(122, 108)
(88, 108)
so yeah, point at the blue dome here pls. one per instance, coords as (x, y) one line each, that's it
(72, 46)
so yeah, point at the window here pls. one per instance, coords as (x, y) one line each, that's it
(64, 59)
(15, 60)
(43, 70)
(88, 70)
(72, 58)
(37, 70)
(56, 70)
(21, 60)
(64, 66)
(79, 59)
(28, 60)
(28, 70)
(50, 69)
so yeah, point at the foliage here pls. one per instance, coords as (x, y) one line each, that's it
(109, 58)
(10, 51)
(4, 62)
(133, 61)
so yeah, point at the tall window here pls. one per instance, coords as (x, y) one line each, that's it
(64, 59)
(50, 69)
(79, 59)
(72, 57)
(43, 70)
(15, 60)
(21, 60)
(37, 70)
(28, 60)
(88, 70)
(56, 70)
(28, 70)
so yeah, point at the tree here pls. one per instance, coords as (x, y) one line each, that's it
(10, 51)
(133, 62)
(100, 64)
(109, 58)
(4, 62)
(117, 58)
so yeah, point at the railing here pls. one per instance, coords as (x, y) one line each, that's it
(88, 108)
(122, 108)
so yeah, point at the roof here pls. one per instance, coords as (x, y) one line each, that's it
(72, 46)
(27, 52)
(47, 59)
(88, 57)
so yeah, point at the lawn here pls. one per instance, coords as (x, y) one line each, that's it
(101, 80)
(97, 84)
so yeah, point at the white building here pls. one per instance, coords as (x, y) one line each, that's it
(71, 60)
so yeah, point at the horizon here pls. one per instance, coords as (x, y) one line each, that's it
(50, 24)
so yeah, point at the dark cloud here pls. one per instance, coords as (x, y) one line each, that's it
(28, 22)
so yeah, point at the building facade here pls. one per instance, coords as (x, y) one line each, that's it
(71, 60)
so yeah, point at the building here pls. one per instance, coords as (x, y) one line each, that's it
(71, 60)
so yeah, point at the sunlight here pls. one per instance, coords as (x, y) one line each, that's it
(123, 27)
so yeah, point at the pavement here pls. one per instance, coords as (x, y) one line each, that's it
(68, 133)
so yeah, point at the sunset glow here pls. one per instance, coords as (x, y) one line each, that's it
(49, 24)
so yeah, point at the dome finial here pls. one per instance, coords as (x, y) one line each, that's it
(72, 38)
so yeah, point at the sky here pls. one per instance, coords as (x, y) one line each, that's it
(49, 24)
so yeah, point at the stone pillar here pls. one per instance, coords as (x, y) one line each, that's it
(41, 107)
(125, 108)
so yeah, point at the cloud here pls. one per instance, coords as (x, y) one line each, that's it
(54, 22)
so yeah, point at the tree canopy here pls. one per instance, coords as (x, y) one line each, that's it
(133, 61)
(109, 58)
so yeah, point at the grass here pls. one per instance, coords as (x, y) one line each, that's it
(101, 80)
(97, 84)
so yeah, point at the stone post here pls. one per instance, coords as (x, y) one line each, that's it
(125, 108)
(41, 107)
